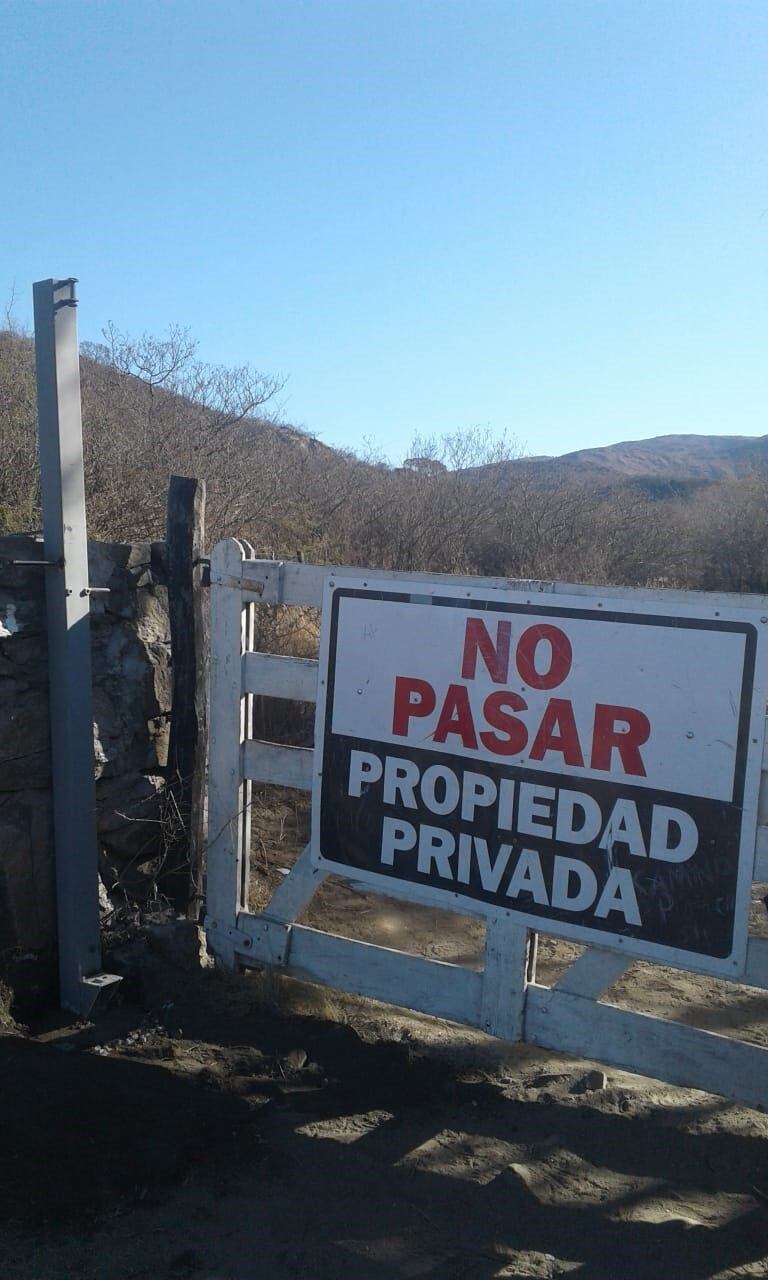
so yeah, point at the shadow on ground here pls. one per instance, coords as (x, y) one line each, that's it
(263, 1146)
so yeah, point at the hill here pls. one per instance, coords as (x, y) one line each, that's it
(679, 509)
(676, 457)
(661, 466)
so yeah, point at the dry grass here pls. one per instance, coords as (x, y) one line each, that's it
(279, 831)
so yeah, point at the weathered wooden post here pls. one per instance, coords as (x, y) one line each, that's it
(187, 748)
(69, 644)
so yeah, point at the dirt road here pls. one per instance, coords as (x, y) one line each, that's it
(255, 1130)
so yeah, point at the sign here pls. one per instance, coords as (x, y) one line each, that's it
(589, 765)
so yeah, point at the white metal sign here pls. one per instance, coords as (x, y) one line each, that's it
(589, 766)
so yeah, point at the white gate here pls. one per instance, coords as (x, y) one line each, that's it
(504, 998)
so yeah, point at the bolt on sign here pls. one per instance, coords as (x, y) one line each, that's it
(590, 766)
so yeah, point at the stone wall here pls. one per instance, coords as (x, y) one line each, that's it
(132, 689)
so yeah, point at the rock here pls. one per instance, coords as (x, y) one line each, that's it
(546, 1078)
(130, 639)
(105, 902)
(25, 759)
(295, 1060)
(524, 1173)
(27, 894)
(129, 814)
(590, 1082)
(158, 960)
(180, 943)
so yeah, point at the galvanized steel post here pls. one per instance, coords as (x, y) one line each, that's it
(69, 644)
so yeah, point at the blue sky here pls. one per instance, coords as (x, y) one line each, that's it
(547, 217)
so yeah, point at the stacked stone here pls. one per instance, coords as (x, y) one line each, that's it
(131, 696)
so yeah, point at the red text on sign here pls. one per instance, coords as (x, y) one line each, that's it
(617, 733)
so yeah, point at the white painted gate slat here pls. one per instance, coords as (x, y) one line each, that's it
(274, 676)
(596, 971)
(756, 972)
(760, 869)
(593, 973)
(636, 1042)
(291, 582)
(297, 889)
(267, 762)
(224, 779)
(760, 873)
(246, 716)
(428, 986)
(504, 978)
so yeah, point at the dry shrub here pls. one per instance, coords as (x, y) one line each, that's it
(293, 630)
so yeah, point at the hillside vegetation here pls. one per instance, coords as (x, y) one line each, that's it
(666, 460)
(677, 510)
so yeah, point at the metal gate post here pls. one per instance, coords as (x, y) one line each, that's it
(69, 644)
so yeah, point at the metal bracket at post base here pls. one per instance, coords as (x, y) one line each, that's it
(90, 994)
(256, 940)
